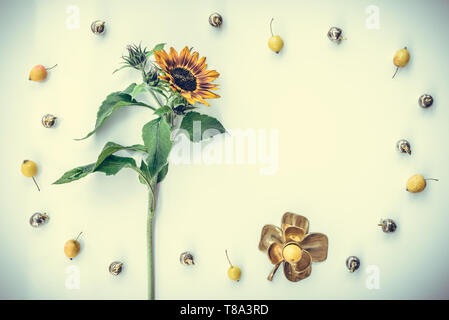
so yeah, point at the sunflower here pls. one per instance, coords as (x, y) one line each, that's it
(187, 75)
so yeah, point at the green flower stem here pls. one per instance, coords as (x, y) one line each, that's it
(170, 117)
(150, 215)
(155, 98)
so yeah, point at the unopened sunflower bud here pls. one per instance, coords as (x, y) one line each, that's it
(151, 78)
(137, 57)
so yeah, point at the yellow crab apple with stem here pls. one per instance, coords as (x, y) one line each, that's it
(275, 43)
(417, 183)
(401, 59)
(72, 247)
(234, 272)
(29, 169)
(39, 73)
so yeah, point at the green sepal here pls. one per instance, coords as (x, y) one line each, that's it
(122, 67)
(156, 48)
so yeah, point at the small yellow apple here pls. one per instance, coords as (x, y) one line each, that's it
(234, 272)
(29, 170)
(417, 183)
(275, 43)
(72, 248)
(401, 59)
(39, 73)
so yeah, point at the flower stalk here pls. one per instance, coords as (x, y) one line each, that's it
(150, 262)
(183, 83)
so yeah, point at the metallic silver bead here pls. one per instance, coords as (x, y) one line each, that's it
(186, 258)
(38, 219)
(403, 146)
(98, 27)
(388, 225)
(115, 268)
(215, 20)
(352, 263)
(335, 34)
(48, 120)
(425, 101)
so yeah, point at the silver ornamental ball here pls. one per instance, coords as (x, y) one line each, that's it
(388, 225)
(425, 101)
(115, 268)
(352, 263)
(48, 120)
(38, 219)
(98, 27)
(186, 258)
(215, 20)
(335, 34)
(403, 146)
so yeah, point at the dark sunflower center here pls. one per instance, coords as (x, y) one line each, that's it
(184, 79)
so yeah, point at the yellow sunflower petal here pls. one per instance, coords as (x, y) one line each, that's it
(174, 88)
(200, 66)
(201, 100)
(190, 100)
(208, 76)
(173, 57)
(208, 86)
(184, 56)
(161, 59)
(208, 95)
(188, 96)
(193, 60)
(211, 73)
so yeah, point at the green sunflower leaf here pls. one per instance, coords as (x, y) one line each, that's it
(162, 110)
(75, 174)
(129, 89)
(143, 87)
(113, 164)
(156, 137)
(112, 147)
(195, 124)
(161, 175)
(113, 102)
(110, 166)
(144, 170)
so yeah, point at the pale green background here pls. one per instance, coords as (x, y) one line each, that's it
(338, 113)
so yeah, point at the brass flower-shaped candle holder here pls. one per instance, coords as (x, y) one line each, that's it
(294, 246)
